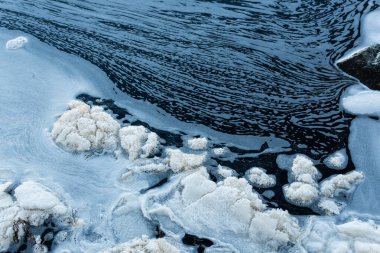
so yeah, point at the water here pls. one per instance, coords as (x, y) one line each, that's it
(240, 67)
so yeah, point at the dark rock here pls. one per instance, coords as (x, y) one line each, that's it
(365, 66)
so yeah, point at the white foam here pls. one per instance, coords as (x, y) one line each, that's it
(16, 43)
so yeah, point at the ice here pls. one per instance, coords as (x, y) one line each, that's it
(224, 171)
(259, 178)
(301, 168)
(139, 142)
(220, 151)
(337, 160)
(31, 205)
(301, 194)
(16, 43)
(344, 182)
(325, 235)
(144, 245)
(229, 211)
(198, 143)
(83, 128)
(179, 161)
(363, 103)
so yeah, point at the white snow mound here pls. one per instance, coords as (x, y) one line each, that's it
(144, 245)
(83, 128)
(16, 43)
(337, 160)
(179, 161)
(344, 182)
(197, 143)
(301, 194)
(31, 204)
(139, 142)
(259, 178)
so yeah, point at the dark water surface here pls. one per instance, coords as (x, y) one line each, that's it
(241, 67)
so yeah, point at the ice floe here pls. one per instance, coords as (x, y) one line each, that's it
(16, 43)
(198, 143)
(337, 160)
(259, 178)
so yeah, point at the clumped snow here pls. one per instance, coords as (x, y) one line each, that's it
(220, 151)
(259, 178)
(224, 171)
(180, 161)
(31, 205)
(197, 143)
(229, 210)
(144, 245)
(344, 182)
(301, 194)
(337, 160)
(83, 128)
(16, 43)
(139, 142)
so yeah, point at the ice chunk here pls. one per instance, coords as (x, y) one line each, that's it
(332, 186)
(225, 171)
(329, 206)
(220, 151)
(323, 235)
(363, 103)
(301, 168)
(197, 143)
(138, 142)
(179, 161)
(259, 178)
(273, 228)
(337, 160)
(83, 128)
(31, 205)
(301, 194)
(144, 245)
(16, 43)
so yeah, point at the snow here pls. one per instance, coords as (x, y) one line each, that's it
(301, 194)
(344, 182)
(198, 143)
(179, 161)
(139, 142)
(325, 235)
(220, 151)
(83, 128)
(259, 178)
(363, 103)
(225, 171)
(32, 204)
(301, 168)
(16, 43)
(337, 160)
(144, 245)
(229, 210)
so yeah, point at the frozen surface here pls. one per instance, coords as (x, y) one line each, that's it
(337, 160)
(363, 103)
(144, 245)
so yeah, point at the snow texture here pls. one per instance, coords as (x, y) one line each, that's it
(259, 178)
(229, 210)
(16, 43)
(139, 142)
(31, 205)
(179, 161)
(144, 245)
(83, 128)
(337, 160)
(355, 236)
(344, 182)
(301, 194)
(198, 143)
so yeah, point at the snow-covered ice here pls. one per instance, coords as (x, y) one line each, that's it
(16, 43)
(337, 160)
(259, 178)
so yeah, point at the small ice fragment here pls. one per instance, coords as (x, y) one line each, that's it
(197, 143)
(259, 178)
(301, 194)
(179, 161)
(16, 43)
(330, 187)
(337, 160)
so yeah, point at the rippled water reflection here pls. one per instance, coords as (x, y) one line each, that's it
(242, 67)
